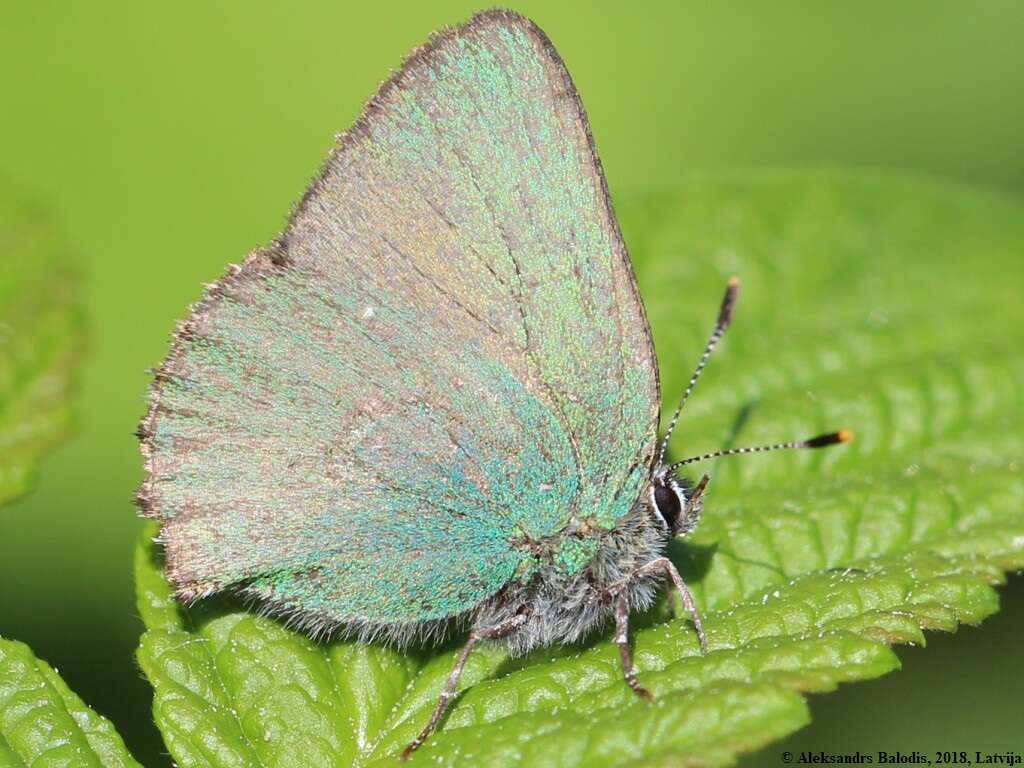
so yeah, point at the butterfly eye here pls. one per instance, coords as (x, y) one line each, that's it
(668, 504)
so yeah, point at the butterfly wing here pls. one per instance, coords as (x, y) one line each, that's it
(442, 357)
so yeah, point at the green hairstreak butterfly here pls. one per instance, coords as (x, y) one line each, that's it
(433, 400)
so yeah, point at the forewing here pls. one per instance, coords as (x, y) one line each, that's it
(443, 356)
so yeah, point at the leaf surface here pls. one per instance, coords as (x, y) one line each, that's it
(43, 724)
(40, 336)
(885, 304)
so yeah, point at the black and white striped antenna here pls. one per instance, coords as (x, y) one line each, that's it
(732, 291)
(830, 438)
(724, 319)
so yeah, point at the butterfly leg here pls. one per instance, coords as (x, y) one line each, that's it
(666, 565)
(488, 633)
(622, 611)
(622, 640)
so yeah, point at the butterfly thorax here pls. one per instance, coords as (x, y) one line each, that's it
(566, 589)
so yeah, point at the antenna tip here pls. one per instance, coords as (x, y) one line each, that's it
(831, 438)
(732, 290)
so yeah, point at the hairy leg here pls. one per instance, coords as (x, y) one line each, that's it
(667, 566)
(489, 633)
(622, 640)
(622, 617)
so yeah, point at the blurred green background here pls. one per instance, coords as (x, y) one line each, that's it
(171, 139)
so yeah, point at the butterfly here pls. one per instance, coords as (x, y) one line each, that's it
(433, 402)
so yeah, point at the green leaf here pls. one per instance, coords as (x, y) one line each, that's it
(44, 724)
(39, 340)
(885, 304)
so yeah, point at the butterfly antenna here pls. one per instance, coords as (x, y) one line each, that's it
(724, 318)
(831, 438)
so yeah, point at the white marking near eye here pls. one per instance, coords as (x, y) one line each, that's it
(545, 487)
(680, 494)
(654, 506)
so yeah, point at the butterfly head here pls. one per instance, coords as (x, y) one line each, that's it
(667, 499)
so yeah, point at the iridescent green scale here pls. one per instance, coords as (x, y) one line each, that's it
(439, 367)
